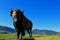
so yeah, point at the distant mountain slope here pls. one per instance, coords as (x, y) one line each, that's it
(5, 29)
(46, 32)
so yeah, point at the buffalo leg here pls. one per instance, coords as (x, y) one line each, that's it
(30, 33)
(18, 34)
(21, 35)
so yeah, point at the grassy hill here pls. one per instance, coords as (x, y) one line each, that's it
(3, 32)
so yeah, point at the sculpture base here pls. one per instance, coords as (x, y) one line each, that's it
(24, 39)
(27, 39)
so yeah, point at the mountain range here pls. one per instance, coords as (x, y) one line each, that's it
(6, 30)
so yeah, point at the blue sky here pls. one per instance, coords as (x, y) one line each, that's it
(44, 14)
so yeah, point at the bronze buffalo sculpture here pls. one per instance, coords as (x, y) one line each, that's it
(21, 23)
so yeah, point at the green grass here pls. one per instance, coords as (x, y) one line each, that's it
(35, 36)
(47, 38)
(7, 36)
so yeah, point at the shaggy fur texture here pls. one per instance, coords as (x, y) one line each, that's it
(21, 23)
